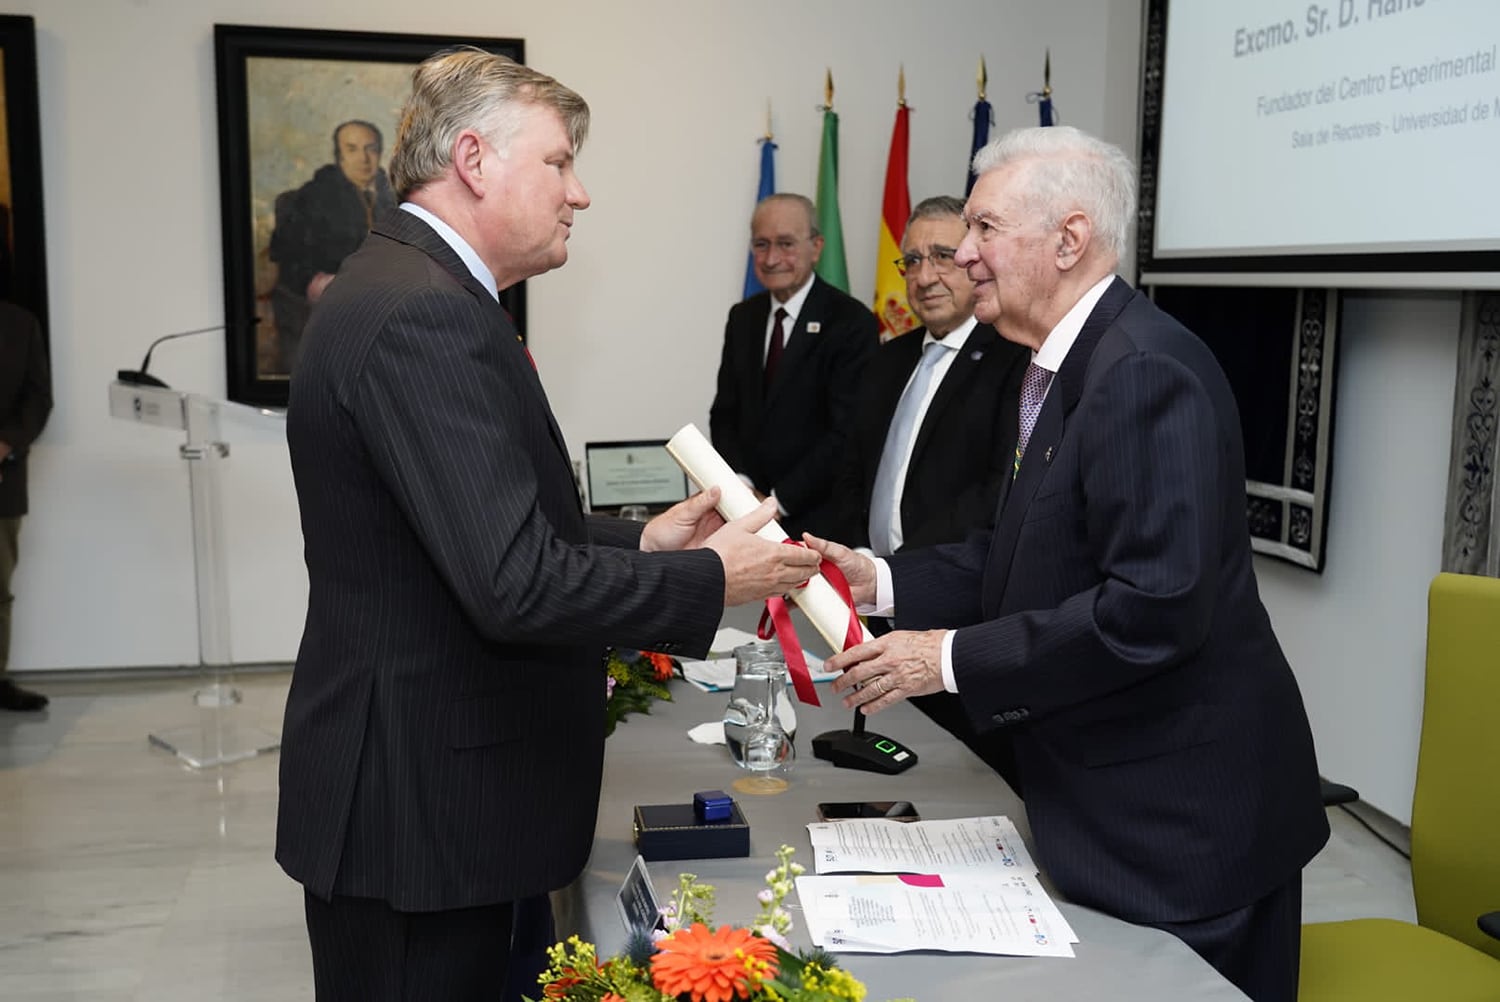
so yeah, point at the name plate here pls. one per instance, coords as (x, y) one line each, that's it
(637, 902)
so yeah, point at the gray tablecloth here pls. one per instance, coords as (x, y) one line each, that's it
(650, 760)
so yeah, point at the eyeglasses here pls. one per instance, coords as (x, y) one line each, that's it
(941, 258)
(760, 248)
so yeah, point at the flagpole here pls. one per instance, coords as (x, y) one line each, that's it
(1044, 104)
(983, 115)
(832, 266)
(891, 307)
(765, 187)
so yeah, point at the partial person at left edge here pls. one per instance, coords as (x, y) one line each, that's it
(443, 745)
(25, 402)
(320, 224)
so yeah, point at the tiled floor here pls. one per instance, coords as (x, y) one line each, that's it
(125, 877)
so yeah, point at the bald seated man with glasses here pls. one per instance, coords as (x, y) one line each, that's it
(934, 436)
(793, 358)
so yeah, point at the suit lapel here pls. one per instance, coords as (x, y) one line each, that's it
(1051, 424)
(414, 231)
(802, 341)
(956, 383)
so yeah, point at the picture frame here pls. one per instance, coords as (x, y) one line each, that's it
(23, 248)
(302, 114)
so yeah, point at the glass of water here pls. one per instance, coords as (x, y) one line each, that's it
(752, 727)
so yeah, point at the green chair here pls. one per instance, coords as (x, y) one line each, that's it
(1453, 953)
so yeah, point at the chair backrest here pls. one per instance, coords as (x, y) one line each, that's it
(1455, 824)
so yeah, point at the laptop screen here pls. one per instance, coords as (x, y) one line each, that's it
(640, 472)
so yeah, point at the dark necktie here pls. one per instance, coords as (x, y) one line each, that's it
(777, 346)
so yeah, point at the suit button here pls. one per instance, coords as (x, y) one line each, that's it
(1014, 716)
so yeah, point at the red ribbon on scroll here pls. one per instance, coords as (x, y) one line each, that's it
(776, 622)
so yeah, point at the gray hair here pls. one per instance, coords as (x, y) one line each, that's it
(1067, 170)
(469, 88)
(937, 207)
(795, 199)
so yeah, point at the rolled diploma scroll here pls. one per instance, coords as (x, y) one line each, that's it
(703, 464)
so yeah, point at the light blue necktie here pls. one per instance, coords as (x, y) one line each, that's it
(898, 442)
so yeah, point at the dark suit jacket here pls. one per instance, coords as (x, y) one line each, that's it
(964, 450)
(1112, 621)
(791, 439)
(25, 400)
(443, 741)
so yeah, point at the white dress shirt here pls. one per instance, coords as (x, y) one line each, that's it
(466, 254)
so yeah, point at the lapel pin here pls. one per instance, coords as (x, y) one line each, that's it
(813, 327)
(1047, 456)
(976, 354)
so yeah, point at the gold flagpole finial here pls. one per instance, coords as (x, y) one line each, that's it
(983, 78)
(901, 87)
(1047, 74)
(769, 134)
(828, 88)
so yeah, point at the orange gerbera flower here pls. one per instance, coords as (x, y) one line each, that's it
(712, 966)
(612, 997)
(661, 665)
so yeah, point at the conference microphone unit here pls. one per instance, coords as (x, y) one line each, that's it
(140, 377)
(858, 748)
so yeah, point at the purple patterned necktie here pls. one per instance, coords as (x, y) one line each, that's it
(1033, 391)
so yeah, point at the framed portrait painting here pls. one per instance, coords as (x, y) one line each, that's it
(306, 124)
(23, 251)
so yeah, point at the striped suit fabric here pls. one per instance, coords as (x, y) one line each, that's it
(1111, 622)
(443, 739)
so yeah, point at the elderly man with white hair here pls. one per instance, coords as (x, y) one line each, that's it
(1111, 620)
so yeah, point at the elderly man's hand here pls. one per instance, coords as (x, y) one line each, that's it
(755, 568)
(878, 675)
(857, 568)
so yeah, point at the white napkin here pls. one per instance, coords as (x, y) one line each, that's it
(711, 733)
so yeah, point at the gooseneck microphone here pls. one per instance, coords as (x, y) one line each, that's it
(139, 377)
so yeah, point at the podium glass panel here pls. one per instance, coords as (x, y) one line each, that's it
(220, 736)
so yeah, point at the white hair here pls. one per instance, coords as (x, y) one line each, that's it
(1066, 171)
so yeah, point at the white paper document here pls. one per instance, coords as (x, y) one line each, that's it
(893, 913)
(955, 845)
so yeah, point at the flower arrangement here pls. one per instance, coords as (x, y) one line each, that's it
(633, 681)
(689, 962)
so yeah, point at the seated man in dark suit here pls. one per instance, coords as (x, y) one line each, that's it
(793, 356)
(934, 436)
(1111, 619)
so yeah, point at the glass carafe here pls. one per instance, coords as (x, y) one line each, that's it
(770, 651)
(752, 728)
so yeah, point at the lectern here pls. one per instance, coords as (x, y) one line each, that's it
(219, 738)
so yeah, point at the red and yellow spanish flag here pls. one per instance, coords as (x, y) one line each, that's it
(890, 288)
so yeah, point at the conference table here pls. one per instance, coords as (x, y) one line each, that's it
(649, 759)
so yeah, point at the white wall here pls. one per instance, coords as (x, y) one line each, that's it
(626, 336)
(1356, 635)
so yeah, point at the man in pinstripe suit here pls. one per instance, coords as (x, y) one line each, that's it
(1111, 619)
(443, 741)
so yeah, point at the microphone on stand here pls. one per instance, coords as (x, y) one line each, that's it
(139, 377)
